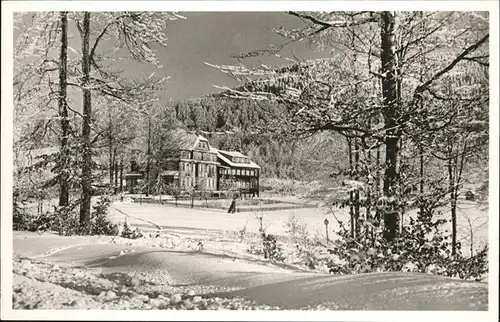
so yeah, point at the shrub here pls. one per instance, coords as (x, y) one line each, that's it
(421, 247)
(299, 236)
(297, 230)
(20, 219)
(99, 222)
(242, 233)
(65, 220)
(270, 247)
(128, 232)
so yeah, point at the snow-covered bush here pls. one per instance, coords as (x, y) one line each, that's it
(99, 222)
(128, 232)
(421, 247)
(270, 248)
(65, 220)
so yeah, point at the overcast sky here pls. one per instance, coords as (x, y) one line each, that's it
(208, 37)
(214, 37)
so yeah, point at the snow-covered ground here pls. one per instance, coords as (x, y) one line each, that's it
(169, 271)
(168, 216)
(199, 259)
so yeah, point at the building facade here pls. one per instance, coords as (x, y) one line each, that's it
(199, 166)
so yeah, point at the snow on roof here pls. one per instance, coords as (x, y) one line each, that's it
(184, 139)
(252, 164)
(234, 154)
(189, 140)
(202, 138)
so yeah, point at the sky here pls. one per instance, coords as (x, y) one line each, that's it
(214, 37)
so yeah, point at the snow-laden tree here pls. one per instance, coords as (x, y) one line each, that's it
(372, 87)
(96, 73)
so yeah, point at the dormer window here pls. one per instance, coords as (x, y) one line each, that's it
(203, 145)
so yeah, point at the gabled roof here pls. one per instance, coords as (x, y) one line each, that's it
(184, 139)
(252, 164)
(189, 141)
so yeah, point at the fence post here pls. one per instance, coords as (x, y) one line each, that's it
(326, 222)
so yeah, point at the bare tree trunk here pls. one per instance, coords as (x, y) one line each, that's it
(87, 110)
(453, 205)
(117, 170)
(121, 176)
(378, 188)
(63, 111)
(471, 232)
(351, 195)
(421, 78)
(401, 183)
(422, 173)
(356, 193)
(391, 116)
(368, 202)
(111, 157)
(148, 155)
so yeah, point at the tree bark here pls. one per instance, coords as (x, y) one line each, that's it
(356, 193)
(351, 194)
(117, 171)
(453, 204)
(422, 173)
(111, 158)
(121, 176)
(391, 117)
(421, 147)
(87, 110)
(63, 112)
(148, 164)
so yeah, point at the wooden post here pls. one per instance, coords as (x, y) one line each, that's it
(326, 229)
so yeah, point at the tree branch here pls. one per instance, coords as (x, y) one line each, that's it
(332, 24)
(468, 50)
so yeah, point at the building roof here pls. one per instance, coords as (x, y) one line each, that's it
(234, 154)
(184, 139)
(252, 164)
(189, 141)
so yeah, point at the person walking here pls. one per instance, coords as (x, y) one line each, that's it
(232, 208)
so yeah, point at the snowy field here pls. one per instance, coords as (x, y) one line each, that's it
(93, 273)
(171, 217)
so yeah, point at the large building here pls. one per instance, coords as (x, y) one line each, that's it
(199, 166)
